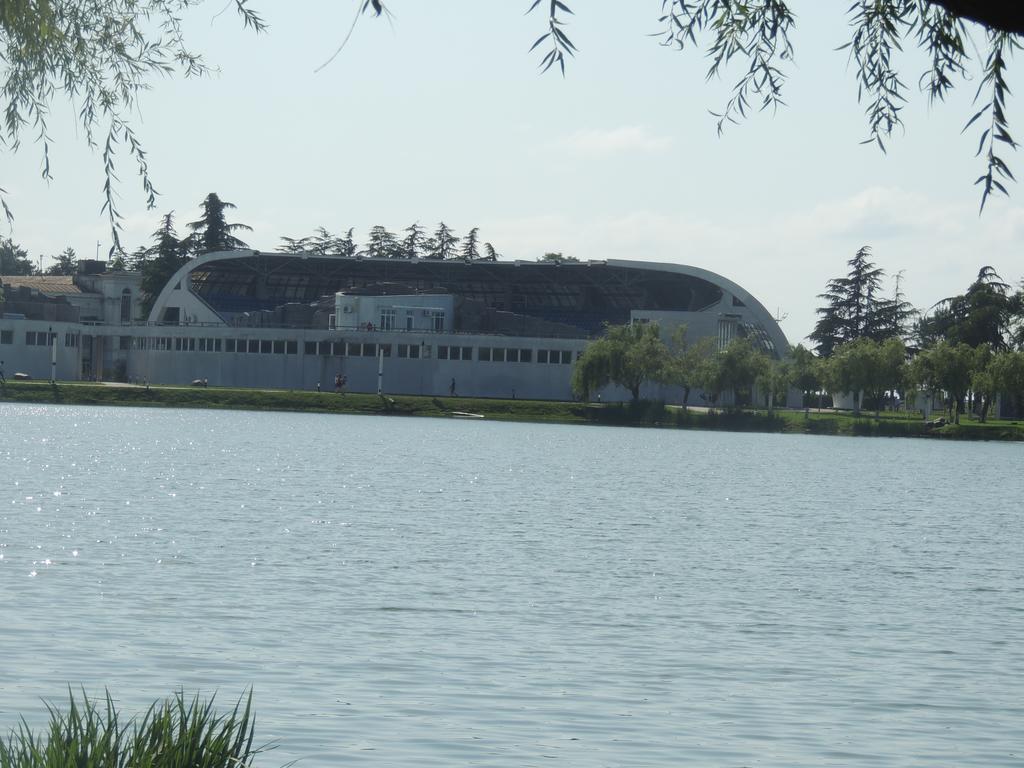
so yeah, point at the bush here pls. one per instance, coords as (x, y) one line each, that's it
(175, 732)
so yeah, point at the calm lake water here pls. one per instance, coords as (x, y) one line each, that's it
(429, 592)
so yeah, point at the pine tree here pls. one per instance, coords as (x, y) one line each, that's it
(442, 245)
(212, 232)
(165, 257)
(470, 252)
(413, 242)
(382, 244)
(65, 263)
(852, 309)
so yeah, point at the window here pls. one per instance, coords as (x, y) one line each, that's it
(202, 345)
(216, 345)
(386, 350)
(309, 348)
(70, 339)
(266, 346)
(279, 346)
(387, 319)
(427, 350)
(355, 349)
(414, 351)
(178, 341)
(498, 355)
(442, 352)
(254, 346)
(126, 306)
(525, 355)
(291, 347)
(542, 355)
(338, 348)
(124, 342)
(566, 356)
(467, 353)
(484, 354)
(6, 337)
(229, 345)
(369, 350)
(191, 345)
(403, 350)
(512, 355)
(437, 319)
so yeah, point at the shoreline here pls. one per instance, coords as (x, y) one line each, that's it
(642, 414)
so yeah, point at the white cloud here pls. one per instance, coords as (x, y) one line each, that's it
(625, 139)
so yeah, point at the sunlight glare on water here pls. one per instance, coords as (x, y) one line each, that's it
(430, 592)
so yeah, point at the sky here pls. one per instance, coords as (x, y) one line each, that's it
(440, 113)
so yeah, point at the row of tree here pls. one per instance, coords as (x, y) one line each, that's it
(416, 243)
(988, 312)
(14, 260)
(212, 232)
(631, 355)
(951, 370)
(866, 344)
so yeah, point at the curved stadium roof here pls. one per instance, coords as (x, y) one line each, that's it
(580, 294)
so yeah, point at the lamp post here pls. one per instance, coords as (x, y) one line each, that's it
(53, 355)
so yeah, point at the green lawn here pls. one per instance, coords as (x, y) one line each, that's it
(645, 413)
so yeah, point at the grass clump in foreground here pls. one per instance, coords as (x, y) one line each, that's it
(174, 733)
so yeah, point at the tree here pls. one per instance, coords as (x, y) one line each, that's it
(982, 315)
(442, 244)
(627, 356)
(489, 253)
(14, 259)
(857, 367)
(470, 249)
(741, 366)
(774, 379)
(805, 372)
(100, 54)
(382, 244)
(65, 263)
(1007, 372)
(948, 368)
(556, 257)
(212, 232)
(684, 364)
(413, 241)
(165, 257)
(852, 310)
(894, 316)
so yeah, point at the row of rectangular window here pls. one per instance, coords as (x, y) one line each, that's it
(39, 338)
(324, 348)
(505, 354)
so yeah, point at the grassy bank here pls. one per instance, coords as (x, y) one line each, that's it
(650, 414)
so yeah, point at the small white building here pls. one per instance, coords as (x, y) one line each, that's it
(421, 312)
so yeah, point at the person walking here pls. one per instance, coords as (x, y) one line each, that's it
(451, 388)
(2, 377)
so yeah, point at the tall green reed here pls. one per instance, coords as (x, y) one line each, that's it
(178, 732)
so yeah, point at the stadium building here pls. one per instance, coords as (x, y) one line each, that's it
(408, 326)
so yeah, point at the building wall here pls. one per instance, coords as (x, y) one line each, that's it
(300, 359)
